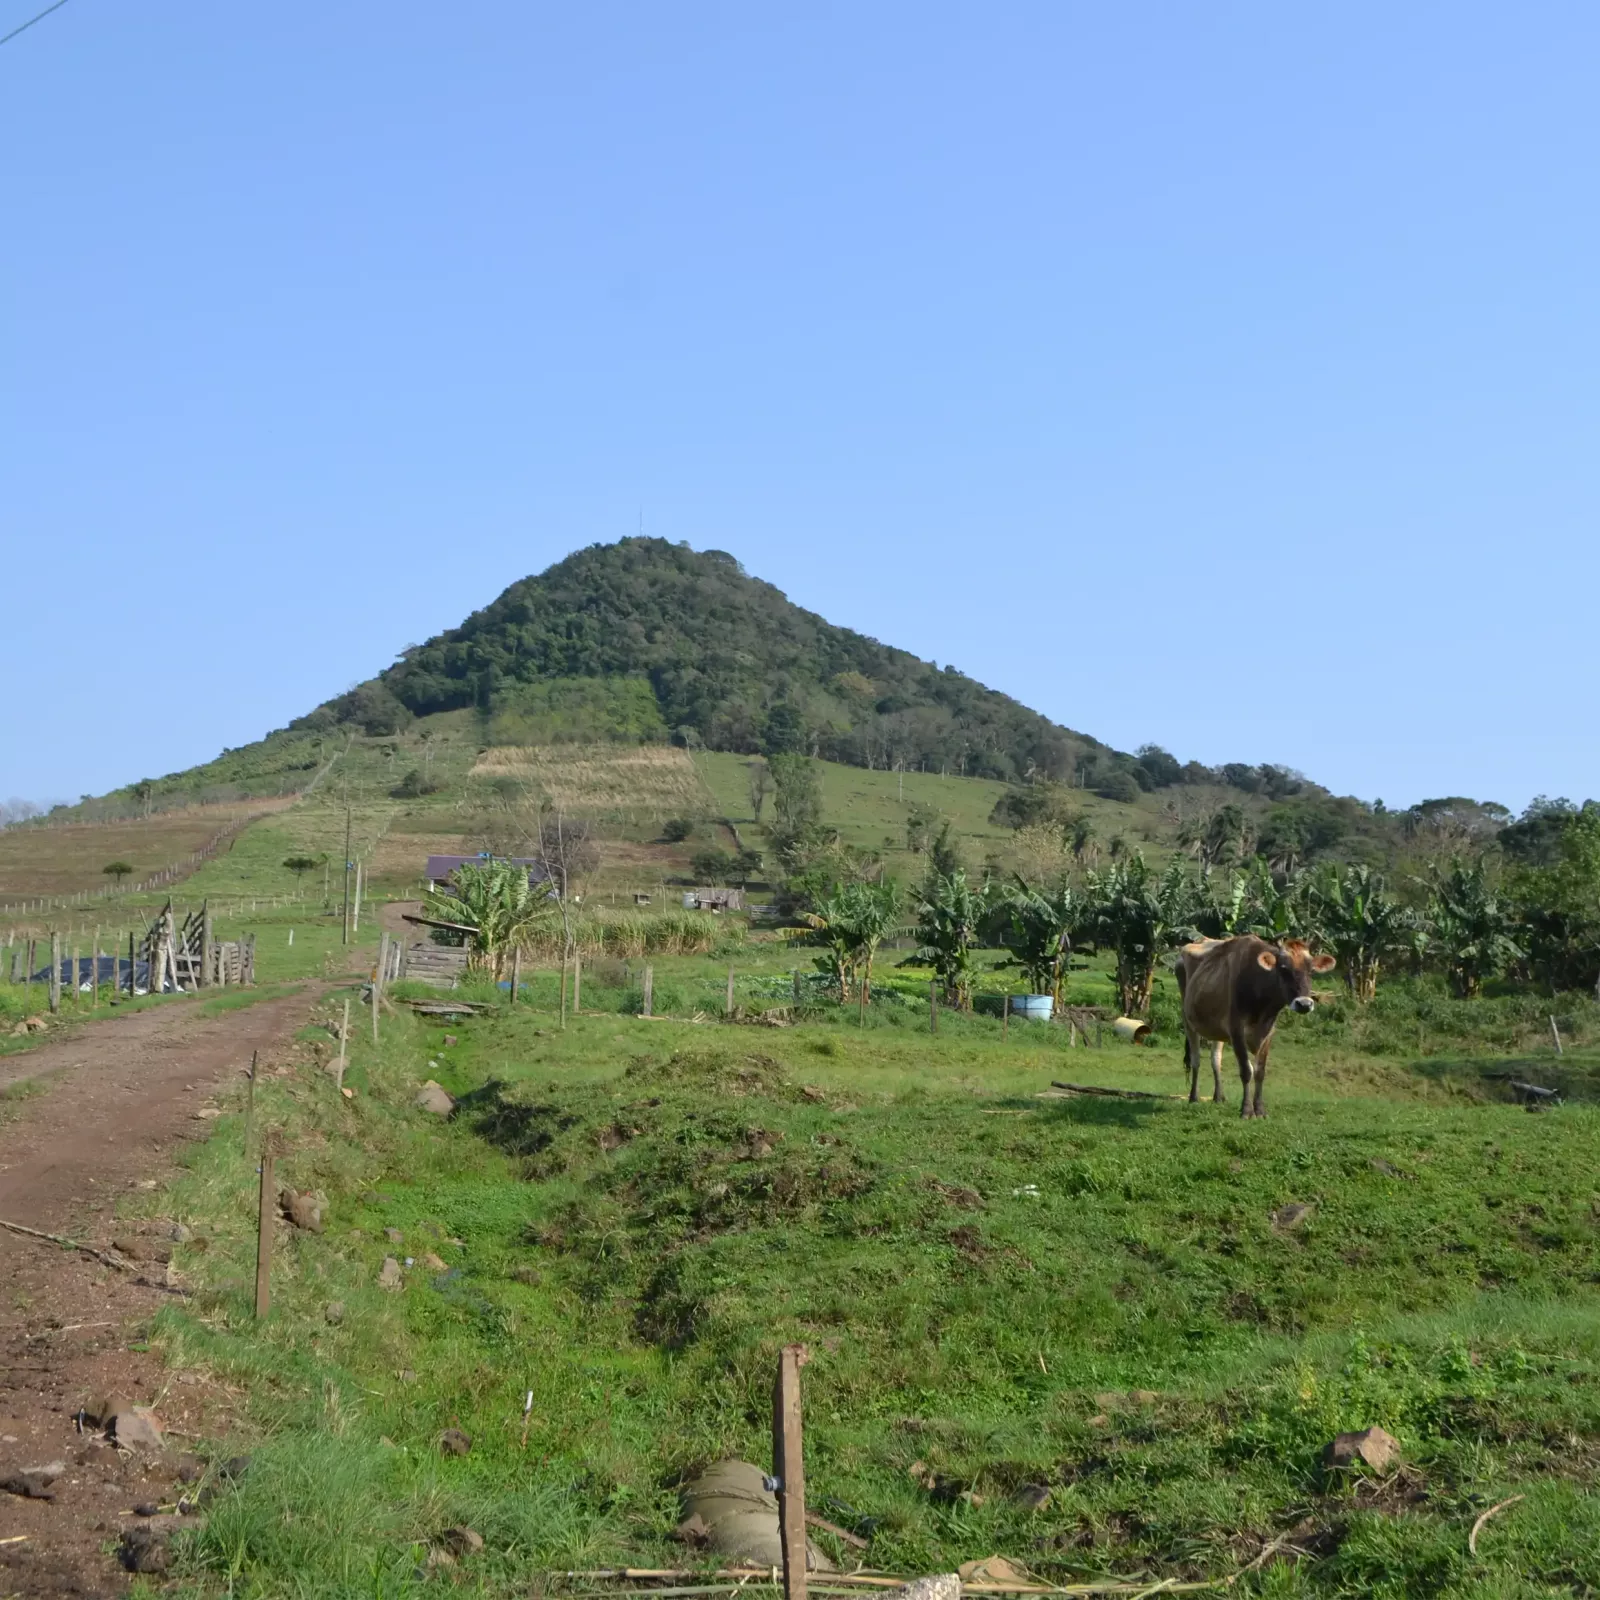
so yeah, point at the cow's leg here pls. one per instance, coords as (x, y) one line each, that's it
(1217, 1096)
(1261, 1072)
(1242, 1053)
(1191, 1063)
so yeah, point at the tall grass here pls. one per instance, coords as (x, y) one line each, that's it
(631, 934)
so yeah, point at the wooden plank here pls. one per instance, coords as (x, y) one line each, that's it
(788, 1464)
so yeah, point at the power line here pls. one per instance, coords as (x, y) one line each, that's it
(31, 20)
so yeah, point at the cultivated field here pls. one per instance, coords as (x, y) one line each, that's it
(620, 782)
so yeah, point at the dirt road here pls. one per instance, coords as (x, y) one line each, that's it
(89, 1118)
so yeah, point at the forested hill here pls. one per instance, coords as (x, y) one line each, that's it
(649, 639)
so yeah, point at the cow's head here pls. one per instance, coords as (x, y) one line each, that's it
(1292, 964)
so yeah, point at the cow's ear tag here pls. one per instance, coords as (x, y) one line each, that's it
(1268, 960)
(1324, 963)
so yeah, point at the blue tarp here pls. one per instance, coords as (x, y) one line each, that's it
(113, 970)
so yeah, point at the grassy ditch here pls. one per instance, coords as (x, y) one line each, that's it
(1109, 1299)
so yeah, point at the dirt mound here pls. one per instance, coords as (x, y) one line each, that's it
(716, 1072)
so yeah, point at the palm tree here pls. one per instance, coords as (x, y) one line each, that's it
(1139, 916)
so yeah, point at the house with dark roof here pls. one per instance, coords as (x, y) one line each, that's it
(441, 870)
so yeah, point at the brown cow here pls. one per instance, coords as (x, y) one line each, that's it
(1233, 990)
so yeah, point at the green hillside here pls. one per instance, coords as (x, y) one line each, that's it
(648, 643)
(645, 639)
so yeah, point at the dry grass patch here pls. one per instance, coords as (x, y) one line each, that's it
(622, 781)
(63, 858)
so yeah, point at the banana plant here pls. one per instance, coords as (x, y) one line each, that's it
(1139, 916)
(1361, 922)
(850, 924)
(949, 912)
(1038, 932)
(495, 907)
(1469, 926)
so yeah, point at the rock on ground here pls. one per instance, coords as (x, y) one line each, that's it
(137, 1426)
(1378, 1449)
(943, 1586)
(303, 1210)
(436, 1099)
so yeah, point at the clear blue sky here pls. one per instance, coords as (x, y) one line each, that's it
(1222, 375)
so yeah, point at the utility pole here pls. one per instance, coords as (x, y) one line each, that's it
(344, 930)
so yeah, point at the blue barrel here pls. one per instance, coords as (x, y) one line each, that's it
(1033, 1007)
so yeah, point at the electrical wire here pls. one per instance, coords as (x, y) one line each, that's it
(31, 20)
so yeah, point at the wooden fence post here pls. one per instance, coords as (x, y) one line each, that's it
(344, 926)
(563, 983)
(205, 946)
(250, 1102)
(131, 954)
(27, 973)
(729, 1007)
(344, 1046)
(375, 1012)
(1005, 1013)
(55, 971)
(649, 988)
(933, 1005)
(788, 1467)
(516, 972)
(264, 1233)
(577, 979)
(73, 969)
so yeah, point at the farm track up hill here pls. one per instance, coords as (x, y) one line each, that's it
(104, 1111)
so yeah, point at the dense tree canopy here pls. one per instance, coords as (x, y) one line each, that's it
(728, 659)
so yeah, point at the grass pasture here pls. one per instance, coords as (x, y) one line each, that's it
(1109, 1299)
(38, 862)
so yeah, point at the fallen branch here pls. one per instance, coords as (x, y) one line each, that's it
(1477, 1527)
(839, 1582)
(1268, 1551)
(1116, 1094)
(843, 1535)
(109, 1258)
